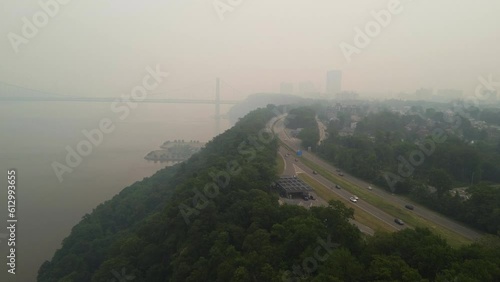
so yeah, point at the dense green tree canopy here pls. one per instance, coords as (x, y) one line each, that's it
(414, 154)
(215, 217)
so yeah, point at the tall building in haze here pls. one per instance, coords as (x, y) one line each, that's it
(333, 83)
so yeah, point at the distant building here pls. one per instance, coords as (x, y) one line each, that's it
(286, 88)
(295, 132)
(292, 187)
(354, 125)
(333, 83)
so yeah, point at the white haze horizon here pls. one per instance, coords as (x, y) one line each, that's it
(98, 49)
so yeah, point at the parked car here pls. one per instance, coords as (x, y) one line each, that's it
(410, 207)
(399, 221)
(306, 198)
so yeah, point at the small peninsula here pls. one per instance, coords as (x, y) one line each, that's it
(175, 151)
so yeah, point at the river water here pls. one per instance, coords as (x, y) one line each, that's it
(34, 135)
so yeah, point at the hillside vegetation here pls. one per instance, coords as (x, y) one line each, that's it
(215, 217)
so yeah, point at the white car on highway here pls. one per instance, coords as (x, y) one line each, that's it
(353, 199)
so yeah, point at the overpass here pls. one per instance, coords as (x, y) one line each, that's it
(111, 99)
(42, 96)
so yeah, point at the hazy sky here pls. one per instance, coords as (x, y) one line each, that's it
(102, 47)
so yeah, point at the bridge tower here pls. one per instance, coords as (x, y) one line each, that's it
(217, 106)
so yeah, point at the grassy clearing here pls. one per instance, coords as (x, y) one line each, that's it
(412, 219)
(360, 215)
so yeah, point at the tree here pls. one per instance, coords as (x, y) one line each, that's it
(342, 265)
(392, 268)
(441, 180)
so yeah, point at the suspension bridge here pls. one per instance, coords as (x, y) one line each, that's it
(15, 93)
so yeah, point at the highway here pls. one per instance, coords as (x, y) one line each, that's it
(292, 168)
(395, 200)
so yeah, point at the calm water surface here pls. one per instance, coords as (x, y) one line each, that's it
(34, 135)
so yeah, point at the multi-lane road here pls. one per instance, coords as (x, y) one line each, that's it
(292, 166)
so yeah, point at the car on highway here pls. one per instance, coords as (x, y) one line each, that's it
(341, 174)
(314, 172)
(399, 221)
(296, 160)
(370, 188)
(338, 170)
(354, 200)
(338, 186)
(410, 207)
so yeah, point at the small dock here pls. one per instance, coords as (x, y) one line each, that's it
(175, 151)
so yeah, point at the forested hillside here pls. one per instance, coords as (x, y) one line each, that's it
(409, 154)
(216, 218)
(304, 118)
